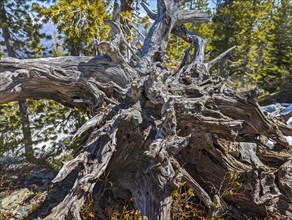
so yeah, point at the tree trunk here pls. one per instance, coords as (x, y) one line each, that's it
(154, 129)
(27, 139)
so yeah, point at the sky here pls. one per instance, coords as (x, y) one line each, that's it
(153, 3)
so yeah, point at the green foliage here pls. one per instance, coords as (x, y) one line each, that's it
(283, 32)
(251, 26)
(57, 163)
(261, 30)
(57, 48)
(21, 31)
(201, 5)
(48, 120)
(10, 132)
(25, 29)
(80, 24)
(282, 53)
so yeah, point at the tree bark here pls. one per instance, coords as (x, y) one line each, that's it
(27, 139)
(154, 129)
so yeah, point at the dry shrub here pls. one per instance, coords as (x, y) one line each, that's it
(186, 205)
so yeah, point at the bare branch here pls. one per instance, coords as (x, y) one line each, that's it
(197, 64)
(139, 32)
(189, 16)
(168, 18)
(200, 46)
(214, 61)
(156, 42)
(114, 48)
(184, 16)
(150, 13)
(199, 191)
(160, 128)
(183, 2)
(116, 16)
(111, 49)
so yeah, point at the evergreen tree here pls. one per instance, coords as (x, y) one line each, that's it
(21, 29)
(80, 24)
(282, 55)
(21, 34)
(57, 48)
(248, 25)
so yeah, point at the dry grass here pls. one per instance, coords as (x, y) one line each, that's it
(186, 205)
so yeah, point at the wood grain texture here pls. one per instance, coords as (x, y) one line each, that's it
(154, 128)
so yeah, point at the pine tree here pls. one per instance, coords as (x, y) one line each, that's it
(248, 25)
(80, 24)
(21, 34)
(282, 55)
(24, 27)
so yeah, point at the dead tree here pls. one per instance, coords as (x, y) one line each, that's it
(154, 128)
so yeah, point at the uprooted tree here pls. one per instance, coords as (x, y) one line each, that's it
(153, 128)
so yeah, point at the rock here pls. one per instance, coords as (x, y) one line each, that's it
(248, 154)
(136, 117)
(21, 212)
(11, 205)
(282, 111)
(15, 199)
(15, 206)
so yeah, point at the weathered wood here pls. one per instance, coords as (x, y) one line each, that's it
(169, 15)
(68, 80)
(154, 128)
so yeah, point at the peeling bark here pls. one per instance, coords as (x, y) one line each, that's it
(154, 129)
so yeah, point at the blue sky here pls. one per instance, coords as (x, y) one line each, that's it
(152, 6)
(153, 3)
